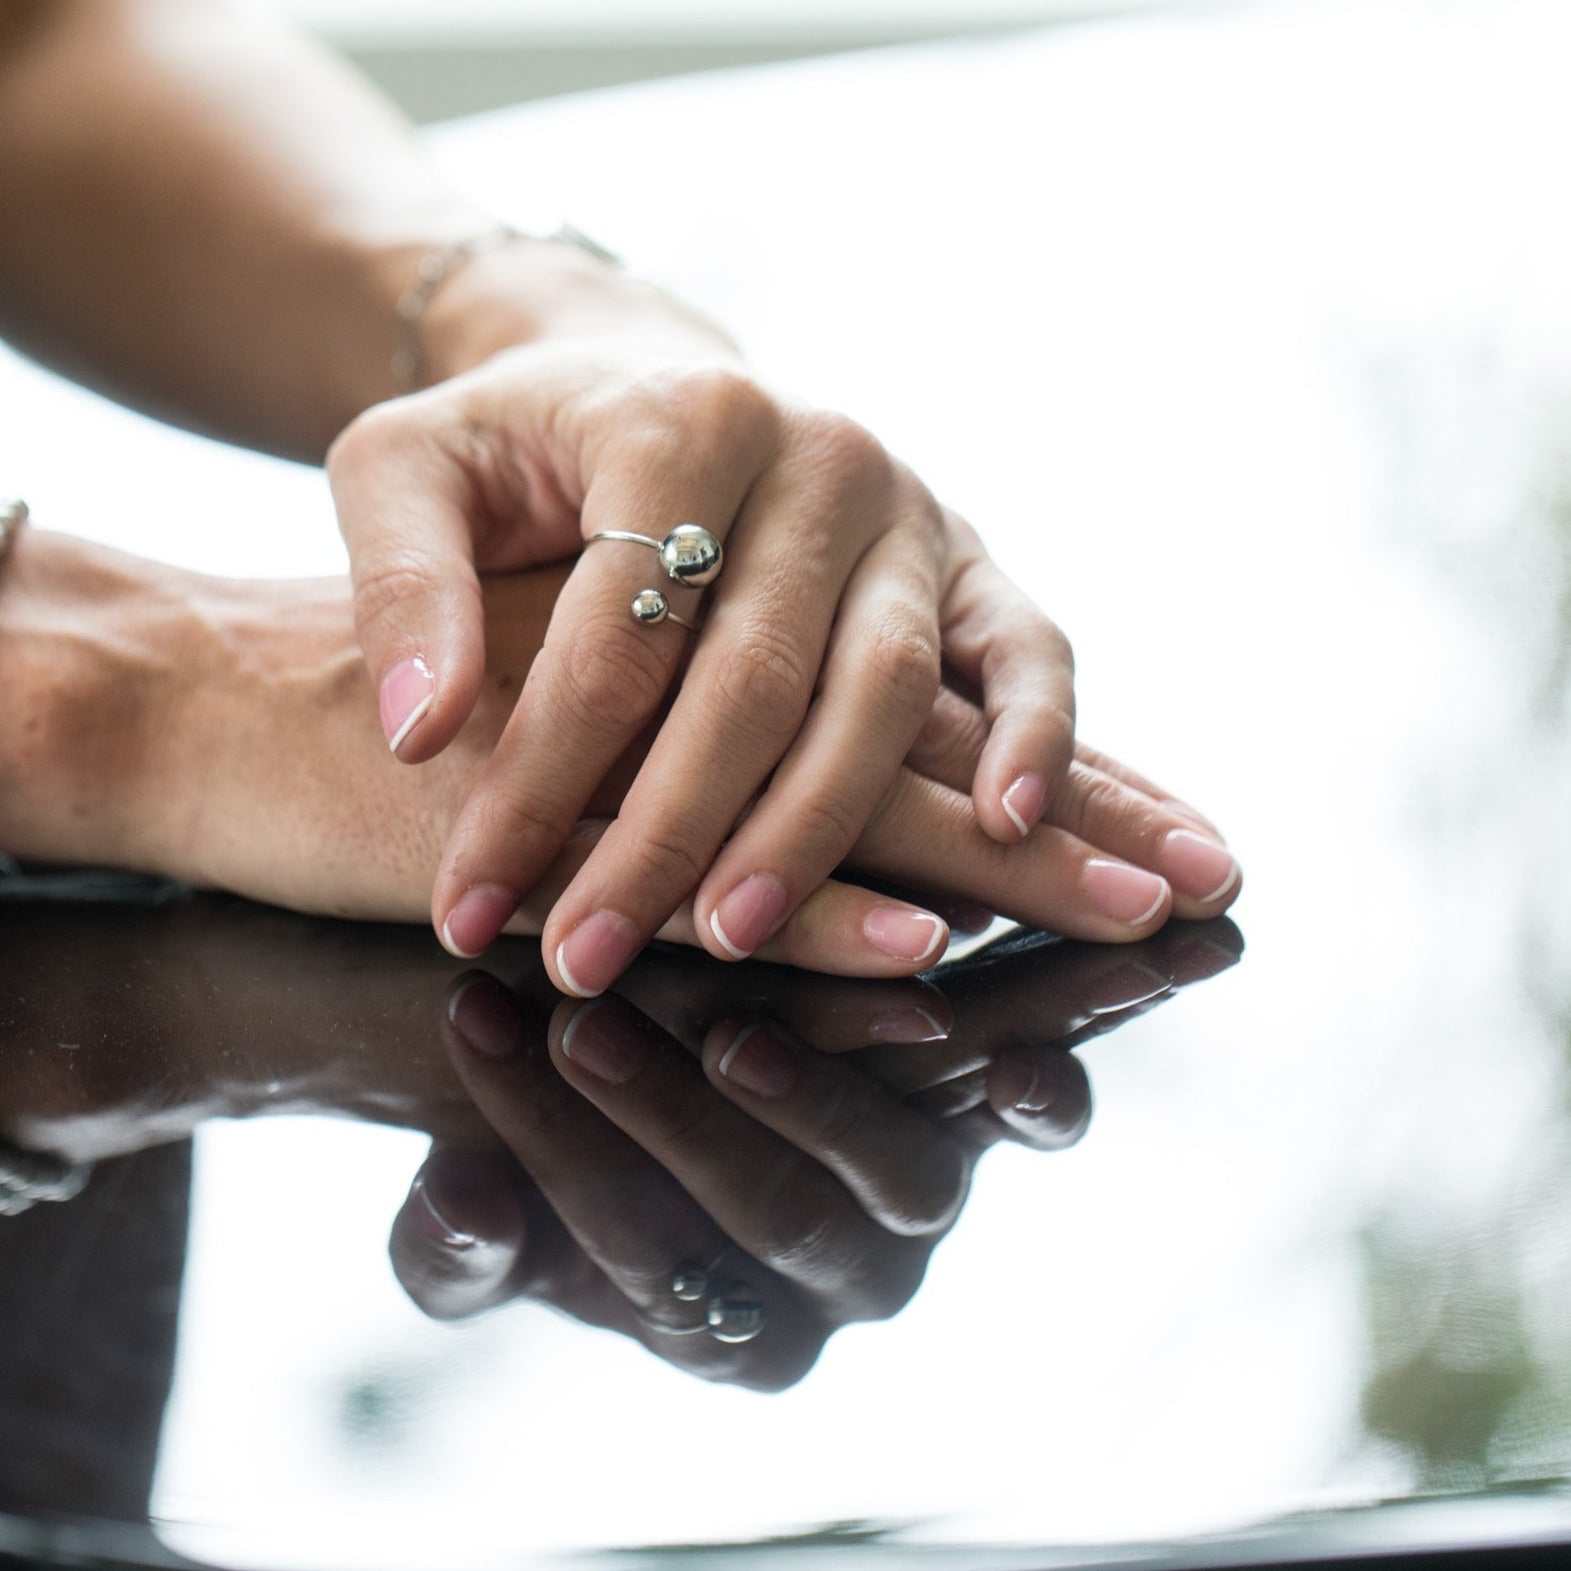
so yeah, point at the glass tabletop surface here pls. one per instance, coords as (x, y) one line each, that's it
(1244, 335)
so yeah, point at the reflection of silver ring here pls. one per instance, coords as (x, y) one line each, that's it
(730, 1315)
(27, 1177)
(690, 554)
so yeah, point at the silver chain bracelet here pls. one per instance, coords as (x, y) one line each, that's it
(436, 267)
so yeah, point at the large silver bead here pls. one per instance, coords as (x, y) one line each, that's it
(689, 1284)
(692, 555)
(734, 1318)
(649, 605)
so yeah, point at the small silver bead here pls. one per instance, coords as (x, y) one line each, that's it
(692, 555)
(649, 605)
(689, 1285)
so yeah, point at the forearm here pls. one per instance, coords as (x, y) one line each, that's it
(211, 218)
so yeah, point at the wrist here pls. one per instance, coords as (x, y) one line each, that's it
(534, 290)
(90, 647)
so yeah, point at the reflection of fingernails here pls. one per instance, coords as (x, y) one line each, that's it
(747, 916)
(481, 1016)
(431, 1221)
(909, 1023)
(474, 922)
(758, 1061)
(1129, 895)
(596, 953)
(904, 933)
(1129, 985)
(597, 1044)
(1197, 958)
(407, 693)
(1024, 801)
(1197, 866)
(1021, 1085)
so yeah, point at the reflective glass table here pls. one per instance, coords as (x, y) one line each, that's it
(1245, 337)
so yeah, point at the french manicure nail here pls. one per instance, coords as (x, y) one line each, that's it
(1129, 895)
(908, 1024)
(431, 1221)
(597, 952)
(474, 922)
(1125, 987)
(747, 916)
(904, 933)
(598, 1042)
(407, 692)
(758, 1061)
(1197, 866)
(481, 1016)
(1024, 801)
(1019, 1084)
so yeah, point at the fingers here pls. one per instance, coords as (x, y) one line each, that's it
(741, 705)
(599, 678)
(879, 679)
(1021, 665)
(401, 508)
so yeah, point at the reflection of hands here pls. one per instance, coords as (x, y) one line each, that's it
(219, 733)
(686, 1128)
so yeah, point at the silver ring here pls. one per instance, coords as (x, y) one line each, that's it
(730, 1315)
(690, 554)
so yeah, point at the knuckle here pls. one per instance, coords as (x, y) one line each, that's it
(387, 588)
(1099, 809)
(762, 680)
(903, 662)
(661, 859)
(369, 436)
(611, 681)
(847, 454)
(931, 1205)
(820, 821)
(883, 1288)
(795, 1225)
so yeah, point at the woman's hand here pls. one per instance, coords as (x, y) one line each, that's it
(816, 667)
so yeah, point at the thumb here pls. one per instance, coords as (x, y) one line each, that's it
(418, 610)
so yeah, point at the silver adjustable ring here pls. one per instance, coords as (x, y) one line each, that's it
(690, 554)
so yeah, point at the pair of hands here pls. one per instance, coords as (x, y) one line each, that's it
(857, 636)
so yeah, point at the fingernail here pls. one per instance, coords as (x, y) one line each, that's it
(433, 1223)
(596, 952)
(407, 692)
(758, 1061)
(1184, 810)
(904, 933)
(481, 1016)
(909, 1024)
(1124, 988)
(593, 1040)
(747, 916)
(1021, 1085)
(1127, 894)
(473, 924)
(1024, 801)
(1198, 867)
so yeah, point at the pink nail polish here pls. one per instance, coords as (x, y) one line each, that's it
(1198, 867)
(433, 1224)
(1024, 801)
(908, 1024)
(1129, 895)
(597, 952)
(904, 933)
(474, 922)
(747, 916)
(407, 692)
(759, 1062)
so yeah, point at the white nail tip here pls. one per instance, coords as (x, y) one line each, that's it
(572, 1027)
(724, 942)
(415, 716)
(453, 949)
(1150, 911)
(1224, 888)
(940, 933)
(735, 1048)
(568, 977)
(1014, 817)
